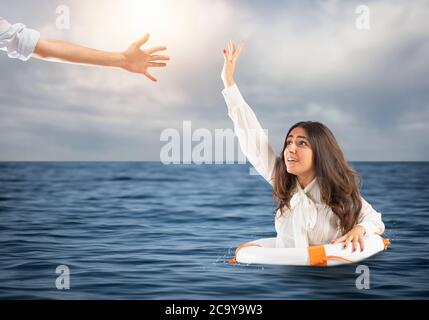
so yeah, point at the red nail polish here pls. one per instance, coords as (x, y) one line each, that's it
(224, 50)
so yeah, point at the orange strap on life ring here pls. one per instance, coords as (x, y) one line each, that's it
(317, 256)
(386, 242)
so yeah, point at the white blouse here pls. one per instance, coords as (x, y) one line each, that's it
(17, 40)
(309, 221)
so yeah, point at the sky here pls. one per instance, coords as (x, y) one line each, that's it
(302, 60)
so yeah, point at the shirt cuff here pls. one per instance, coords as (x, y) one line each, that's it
(233, 99)
(232, 95)
(28, 43)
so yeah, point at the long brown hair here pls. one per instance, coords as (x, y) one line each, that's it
(338, 182)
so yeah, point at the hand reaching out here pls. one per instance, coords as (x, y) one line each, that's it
(138, 60)
(22, 43)
(230, 55)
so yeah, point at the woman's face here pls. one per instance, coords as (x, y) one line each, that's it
(298, 154)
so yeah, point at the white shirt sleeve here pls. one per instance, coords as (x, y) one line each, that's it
(370, 219)
(252, 138)
(17, 40)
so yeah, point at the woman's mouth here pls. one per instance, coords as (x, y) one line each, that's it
(291, 160)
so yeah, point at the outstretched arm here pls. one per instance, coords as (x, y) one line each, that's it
(134, 59)
(252, 138)
(22, 43)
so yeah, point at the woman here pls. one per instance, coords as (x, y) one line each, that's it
(316, 190)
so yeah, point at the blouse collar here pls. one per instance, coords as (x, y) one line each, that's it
(312, 190)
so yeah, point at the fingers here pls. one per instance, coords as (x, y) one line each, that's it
(340, 239)
(361, 244)
(232, 53)
(226, 52)
(347, 242)
(230, 50)
(142, 41)
(238, 51)
(355, 243)
(151, 77)
(352, 238)
(155, 57)
(156, 64)
(155, 49)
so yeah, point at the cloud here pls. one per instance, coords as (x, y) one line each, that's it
(302, 61)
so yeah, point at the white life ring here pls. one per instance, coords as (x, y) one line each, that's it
(264, 251)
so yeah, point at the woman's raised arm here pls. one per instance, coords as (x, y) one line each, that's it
(252, 138)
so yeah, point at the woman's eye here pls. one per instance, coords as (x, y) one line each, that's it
(288, 142)
(303, 143)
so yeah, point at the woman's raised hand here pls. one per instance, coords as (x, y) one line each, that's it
(230, 55)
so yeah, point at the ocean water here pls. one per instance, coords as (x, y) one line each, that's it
(143, 230)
